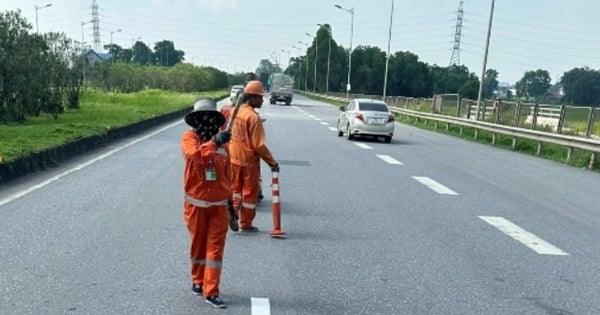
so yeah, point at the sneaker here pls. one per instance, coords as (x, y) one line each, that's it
(197, 289)
(249, 229)
(215, 301)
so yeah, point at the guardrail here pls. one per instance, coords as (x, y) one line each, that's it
(570, 142)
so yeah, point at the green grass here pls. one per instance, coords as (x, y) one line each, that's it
(99, 113)
(579, 158)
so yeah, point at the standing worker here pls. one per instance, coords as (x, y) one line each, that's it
(207, 188)
(247, 148)
(496, 109)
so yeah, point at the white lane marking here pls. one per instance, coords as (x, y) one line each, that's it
(318, 119)
(81, 166)
(362, 146)
(524, 237)
(260, 306)
(435, 186)
(332, 128)
(389, 159)
(324, 123)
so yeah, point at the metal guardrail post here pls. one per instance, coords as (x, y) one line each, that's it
(536, 108)
(590, 124)
(518, 115)
(561, 119)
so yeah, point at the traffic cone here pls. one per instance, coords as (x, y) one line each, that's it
(276, 208)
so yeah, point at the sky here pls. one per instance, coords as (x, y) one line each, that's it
(234, 35)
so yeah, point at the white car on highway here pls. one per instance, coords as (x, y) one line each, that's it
(366, 117)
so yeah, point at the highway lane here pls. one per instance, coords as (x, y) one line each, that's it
(363, 236)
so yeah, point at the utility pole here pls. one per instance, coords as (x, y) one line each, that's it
(487, 46)
(315, 63)
(299, 66)
(387, 60)
(306, 72)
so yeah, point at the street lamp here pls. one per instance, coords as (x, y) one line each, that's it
(306, 72)
(110, 48)
(351, 11)
(315, 63)
(83, 47)
(387, 59)
(37, 8)
(328, 57)
(299, 65)
(289, 56)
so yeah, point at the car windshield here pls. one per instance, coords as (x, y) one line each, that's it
(376, 107)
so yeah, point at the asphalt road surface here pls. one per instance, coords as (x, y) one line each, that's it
(429, 224)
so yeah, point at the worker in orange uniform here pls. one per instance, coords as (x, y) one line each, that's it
(207, 187)
(247, 148)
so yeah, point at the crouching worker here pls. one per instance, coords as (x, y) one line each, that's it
(207, 187)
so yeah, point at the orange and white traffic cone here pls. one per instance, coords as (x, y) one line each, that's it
(276, 208)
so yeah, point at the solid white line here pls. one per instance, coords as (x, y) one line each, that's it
(389, 159)
(524, 237)
(332, 128)
(435, 186)
(260, 306)
(324, 123)
(362, 146)
(81, 166)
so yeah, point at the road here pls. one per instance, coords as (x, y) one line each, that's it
(429, 224)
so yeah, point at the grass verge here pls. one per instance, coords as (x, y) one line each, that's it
(99, 113)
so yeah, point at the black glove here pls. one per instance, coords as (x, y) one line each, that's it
(274, 167)
(222, 137)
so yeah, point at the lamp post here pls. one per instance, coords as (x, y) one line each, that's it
(351, 11)
(110, 48)
(328, 58)
(37, 8)
(289, 56)
(316, 58)
(83, 47)
(299, 65)
(387, 59)
(306, 72)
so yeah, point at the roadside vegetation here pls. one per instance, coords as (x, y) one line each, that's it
(99, 112)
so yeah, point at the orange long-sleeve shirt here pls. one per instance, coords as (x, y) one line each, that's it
(247, 145)
(198, 158)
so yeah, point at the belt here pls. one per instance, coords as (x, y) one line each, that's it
(204, 204)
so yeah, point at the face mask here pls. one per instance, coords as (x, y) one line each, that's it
(207, 127)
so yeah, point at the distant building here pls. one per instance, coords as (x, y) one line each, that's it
(93, 57)
(503, 88)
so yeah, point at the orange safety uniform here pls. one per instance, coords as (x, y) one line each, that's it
(226, 110)
(207, 188)
(247, 147)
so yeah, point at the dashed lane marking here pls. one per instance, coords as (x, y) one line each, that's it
(435, 186)
(363, 146)
(389, 159)
(324, 123)
(524, 237)
(260, 306)
(332, 128)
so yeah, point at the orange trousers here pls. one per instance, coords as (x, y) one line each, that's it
(208, 230)
(245, 185)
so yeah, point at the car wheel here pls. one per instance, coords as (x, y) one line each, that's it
(349, 135)
(339, 130)
(272, 101)
(387, 139)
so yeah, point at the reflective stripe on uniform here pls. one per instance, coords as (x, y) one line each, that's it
(237, 195)
(204, 204)
(208, 263)
(249, 205)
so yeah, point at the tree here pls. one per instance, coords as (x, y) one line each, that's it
(582, 86)
(266, 66)
(166, 55)
(490, 83)
(142, 54)
(407, 76)
(534, 84)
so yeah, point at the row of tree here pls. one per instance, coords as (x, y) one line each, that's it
(45, 73)
(408, 76)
